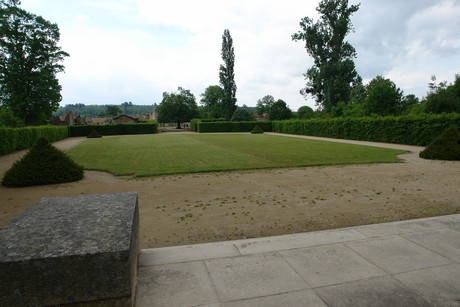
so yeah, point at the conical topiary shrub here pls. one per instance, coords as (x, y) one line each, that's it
(444, 147)
(94, 134)
(257, 130)
(43, 164)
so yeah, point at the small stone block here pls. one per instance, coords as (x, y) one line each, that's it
(71, 250)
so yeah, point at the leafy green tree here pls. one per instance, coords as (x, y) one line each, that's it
(279, 111)
(212, 100)
(242, 115)
(177, 107)
(305, 112)
(8, 120)
(227, 75)
(264, 104)
(443, 97)
(333, 72)
(30, 58)
(113, 111)
(383, 97)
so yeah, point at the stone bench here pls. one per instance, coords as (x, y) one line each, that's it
(79, 250)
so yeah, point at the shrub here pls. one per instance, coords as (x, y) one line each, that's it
(232, 126)
(119, 129)
(94, 134)
(43, 164)
(257, 130)
(444, 147)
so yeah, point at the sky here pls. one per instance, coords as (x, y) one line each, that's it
(135, 50)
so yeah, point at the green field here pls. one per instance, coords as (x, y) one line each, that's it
(150, 155)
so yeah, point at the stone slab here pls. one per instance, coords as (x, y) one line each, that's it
(395, 254)
(285, 242)
(174, 254)
(330, 264)
(440, 285)
(178, 284)
(72, 249)
(445, 242)
(296, 298)
(253, 276)
(400, 227)
(381, 291)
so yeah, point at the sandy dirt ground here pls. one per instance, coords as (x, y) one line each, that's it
(194, 208)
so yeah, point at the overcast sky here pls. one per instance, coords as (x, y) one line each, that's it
(134, 50)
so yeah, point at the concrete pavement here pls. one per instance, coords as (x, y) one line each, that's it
(406, 263)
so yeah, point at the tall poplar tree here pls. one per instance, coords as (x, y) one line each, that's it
(333, 74)
(30, 58)
(227, 76)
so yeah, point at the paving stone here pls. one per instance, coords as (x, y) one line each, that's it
(381, 291)
(445, 242)
(296, 298)
(439, 286)
(253, 276)
(400, 227)
(395, 254)
(186, 253)
(178, 284)
(330, 264)
(270, 244)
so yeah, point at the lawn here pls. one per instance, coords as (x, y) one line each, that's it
(150, 155)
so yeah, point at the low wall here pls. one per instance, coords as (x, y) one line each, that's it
(78, 250)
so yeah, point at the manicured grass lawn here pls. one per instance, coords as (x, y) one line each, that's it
(149, 155)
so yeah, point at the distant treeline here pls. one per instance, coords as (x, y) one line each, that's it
(101, 110)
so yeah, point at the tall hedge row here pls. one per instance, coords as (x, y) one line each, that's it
(194, 122)
(413, 130)
(118, 129)
(12, 139)
(204, 127)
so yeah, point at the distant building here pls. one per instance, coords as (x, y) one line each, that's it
(125, 119)
(68, 119)
(95, 120)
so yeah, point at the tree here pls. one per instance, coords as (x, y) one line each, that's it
(30, 58)
(8, 120)
(212, 100)
(227, 75)
(242, 115)
(331, 77)
(305, 112)
(112, 111)
(264, 104)
(279, 111)
(443, 98)
(383, 97)
(178, 107)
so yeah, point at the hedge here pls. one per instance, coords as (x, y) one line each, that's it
(12, 139)
(409, 130)
(194, 122)
(118, 129)
(205, 127)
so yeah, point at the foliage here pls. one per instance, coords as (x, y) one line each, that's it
(305, 112)
(43, 164)
(444, 147)
(384, 98)
(264, 104)
(112, 111)
(279, 111)
(213, 101)
(257, 130)
(227, 76)
(443, 98)
(13, 139)
(410, 130)
(242, 115)
(95, 110)
(94, 134)
(30, 58)
(333, 71)
(8, 120)
(227, 126)
(177, 107)
(118, 129)
(159, 154)
(194, 122)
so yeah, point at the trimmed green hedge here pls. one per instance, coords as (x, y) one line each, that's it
(119, 129)
(12, 139)
(409, 130)
(205, 127)
(194, 122)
